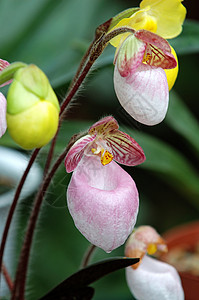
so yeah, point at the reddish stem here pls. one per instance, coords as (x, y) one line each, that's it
(7, 277)
(19, 285)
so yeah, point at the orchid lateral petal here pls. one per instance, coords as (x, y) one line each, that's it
(3, 65)
(130, 55)
(103, 126)
(157, 58)
(3, 105)
(125, 149)
(154, 39)
(154, 280)
(103, 202)
(76, 152)
(144, 95)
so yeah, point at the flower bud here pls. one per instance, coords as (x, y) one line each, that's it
(32, 108)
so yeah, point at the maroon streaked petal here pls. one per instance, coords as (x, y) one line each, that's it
(157, 58)
(103, 126)
(125, 149)
(3, 65)
(153, 39)
(76, 152)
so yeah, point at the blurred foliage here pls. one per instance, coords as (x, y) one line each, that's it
(54, 35)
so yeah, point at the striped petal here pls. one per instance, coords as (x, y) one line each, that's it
(3, 105)
(103, 126)
(158, 51)
(154, 280)
(125, 149)
(130, 55)
(76, 152)
(144, 95)
(103, 202)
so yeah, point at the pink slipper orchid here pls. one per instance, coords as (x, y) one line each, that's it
(151, 279)
(103, 198)
(3, 103)
(139, 78)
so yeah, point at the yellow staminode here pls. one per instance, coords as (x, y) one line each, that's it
(106, 157)
(151, 249)
(172, 73)
(163, 17)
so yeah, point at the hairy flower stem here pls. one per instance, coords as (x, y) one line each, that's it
(20, 280)
(14, 203)
(7, 277)
(88, 255)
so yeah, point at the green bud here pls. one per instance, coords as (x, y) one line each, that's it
(32, 108)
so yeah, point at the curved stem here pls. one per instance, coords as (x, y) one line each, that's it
(7, 277)
(19, 285)
(14, 203)
(88, 255)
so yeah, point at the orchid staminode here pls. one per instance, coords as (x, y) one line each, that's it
(151, 279)
(103, 198)
(139, 78)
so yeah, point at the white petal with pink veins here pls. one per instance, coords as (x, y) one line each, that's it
(154, 280)
(144, 94)
(3, 123)
(103, 201)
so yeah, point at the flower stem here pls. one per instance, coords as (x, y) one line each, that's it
(88, 255)
(20, 280)
(7, 277)
(14, 204)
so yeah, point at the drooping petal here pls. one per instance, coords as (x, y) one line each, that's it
(169, 16)
(125, 149)
(76, 152)
(154, 280)
(130, 55)
(3, 65)
(3, 105)
(103, 126)
(144, 95)
(103, 201)
(158, 51)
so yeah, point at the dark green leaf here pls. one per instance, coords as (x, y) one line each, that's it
(187, 42)
(90, 274)
(180, 118)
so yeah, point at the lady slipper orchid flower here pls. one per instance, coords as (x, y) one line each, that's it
(139, 78)
(103, 198)
(151, 279)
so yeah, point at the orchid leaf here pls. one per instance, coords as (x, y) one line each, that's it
(180, 118)
(188, 41)
(80, 280)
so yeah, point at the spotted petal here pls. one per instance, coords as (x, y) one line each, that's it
(144, 95)
(125, 149)
(3, 105)
(76, 152)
